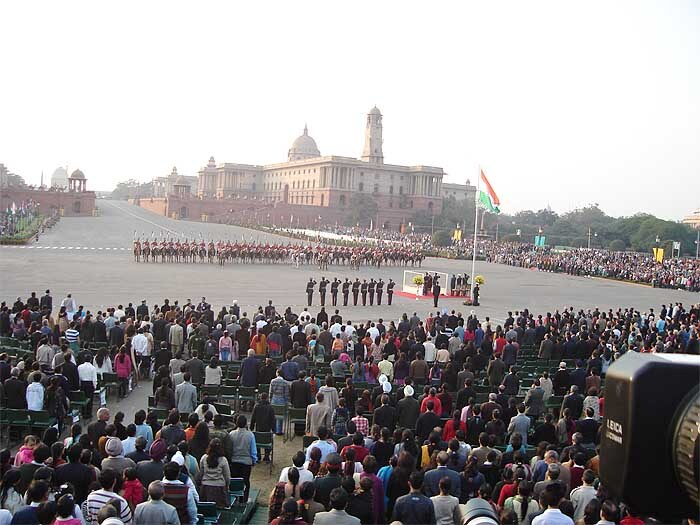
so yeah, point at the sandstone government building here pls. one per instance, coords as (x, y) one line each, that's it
(308, 187)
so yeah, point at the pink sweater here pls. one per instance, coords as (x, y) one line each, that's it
(122, 369)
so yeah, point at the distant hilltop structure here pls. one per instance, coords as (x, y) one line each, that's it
(309, 185)
(693, 220)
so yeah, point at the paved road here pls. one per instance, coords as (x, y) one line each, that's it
(91, 257)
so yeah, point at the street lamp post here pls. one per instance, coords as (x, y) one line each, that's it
(595, 234)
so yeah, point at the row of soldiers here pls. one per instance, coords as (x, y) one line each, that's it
(360, 289)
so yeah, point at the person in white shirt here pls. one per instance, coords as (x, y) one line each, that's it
(429, 350)
(35, 393)
(373, 332)
(69, 304)
(335, 329)
(551, 497)
(129, 444)
(87, 373)
(298, 461)
(547, 386)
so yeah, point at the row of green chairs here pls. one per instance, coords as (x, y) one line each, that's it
(29, 421)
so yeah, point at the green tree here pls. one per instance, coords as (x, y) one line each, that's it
(442, 238)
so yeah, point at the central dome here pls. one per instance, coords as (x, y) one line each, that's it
(304, 147)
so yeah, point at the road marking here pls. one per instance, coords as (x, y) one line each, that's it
(142, 219)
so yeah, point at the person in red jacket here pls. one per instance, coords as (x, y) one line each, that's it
(453, 425)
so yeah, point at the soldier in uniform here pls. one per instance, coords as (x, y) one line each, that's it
(363, 291)
(355, 291)
(371, 288)
(453, 284)
(310, 290)
(346, 291)
(322, 290)
(390, 291)
(380, 291)
(334, 291)
(436, 292)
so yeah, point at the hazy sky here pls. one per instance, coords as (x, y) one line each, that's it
(562, 103)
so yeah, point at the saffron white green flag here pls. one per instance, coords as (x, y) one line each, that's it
(488, 198)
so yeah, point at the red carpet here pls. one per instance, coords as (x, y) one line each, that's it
(413, 296)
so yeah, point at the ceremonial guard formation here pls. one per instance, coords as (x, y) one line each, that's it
(221, 252)
(363, 292)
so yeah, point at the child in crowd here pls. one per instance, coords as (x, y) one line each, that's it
(133, 489)
(66, 511)
(26, 451)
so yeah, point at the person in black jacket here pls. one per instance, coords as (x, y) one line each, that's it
(15, 391)
(511, 382)
(116, 336)
(385, 415)
(69, 371)
(300, 392)
(263, 419)
(427, 421)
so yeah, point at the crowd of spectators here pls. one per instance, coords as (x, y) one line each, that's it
(406, 419)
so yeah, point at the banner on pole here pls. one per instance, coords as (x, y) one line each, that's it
(457, 235)
(539, 241)
(658, 254)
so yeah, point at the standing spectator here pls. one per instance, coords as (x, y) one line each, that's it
(87, 373)
(152, 469)
(155, 510)
(245, 453)
(122, 366)
(116, 460)
(338, 501)
(317, 415)
(99, 498)
(263, 419)
(35, 393)
(186, 395)
(414, 507)
(582, 495)
(279, 395)
(446, 506)
(213, 373)
(165, 396)
(56, 402)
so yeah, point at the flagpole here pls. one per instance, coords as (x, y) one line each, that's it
(476, 220)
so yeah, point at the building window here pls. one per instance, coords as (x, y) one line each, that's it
(376, 188)
(313, 183)
(361, 186)
(323, 198)
(430, 206)
(411, 204)
(341, 200)
(391, 204)
(400, 190)
(391, 189)
(376, 176)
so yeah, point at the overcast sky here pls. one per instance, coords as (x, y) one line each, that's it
(562, 103)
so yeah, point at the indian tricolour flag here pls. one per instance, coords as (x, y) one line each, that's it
(487, 198)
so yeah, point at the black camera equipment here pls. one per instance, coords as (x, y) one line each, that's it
(650, 450)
